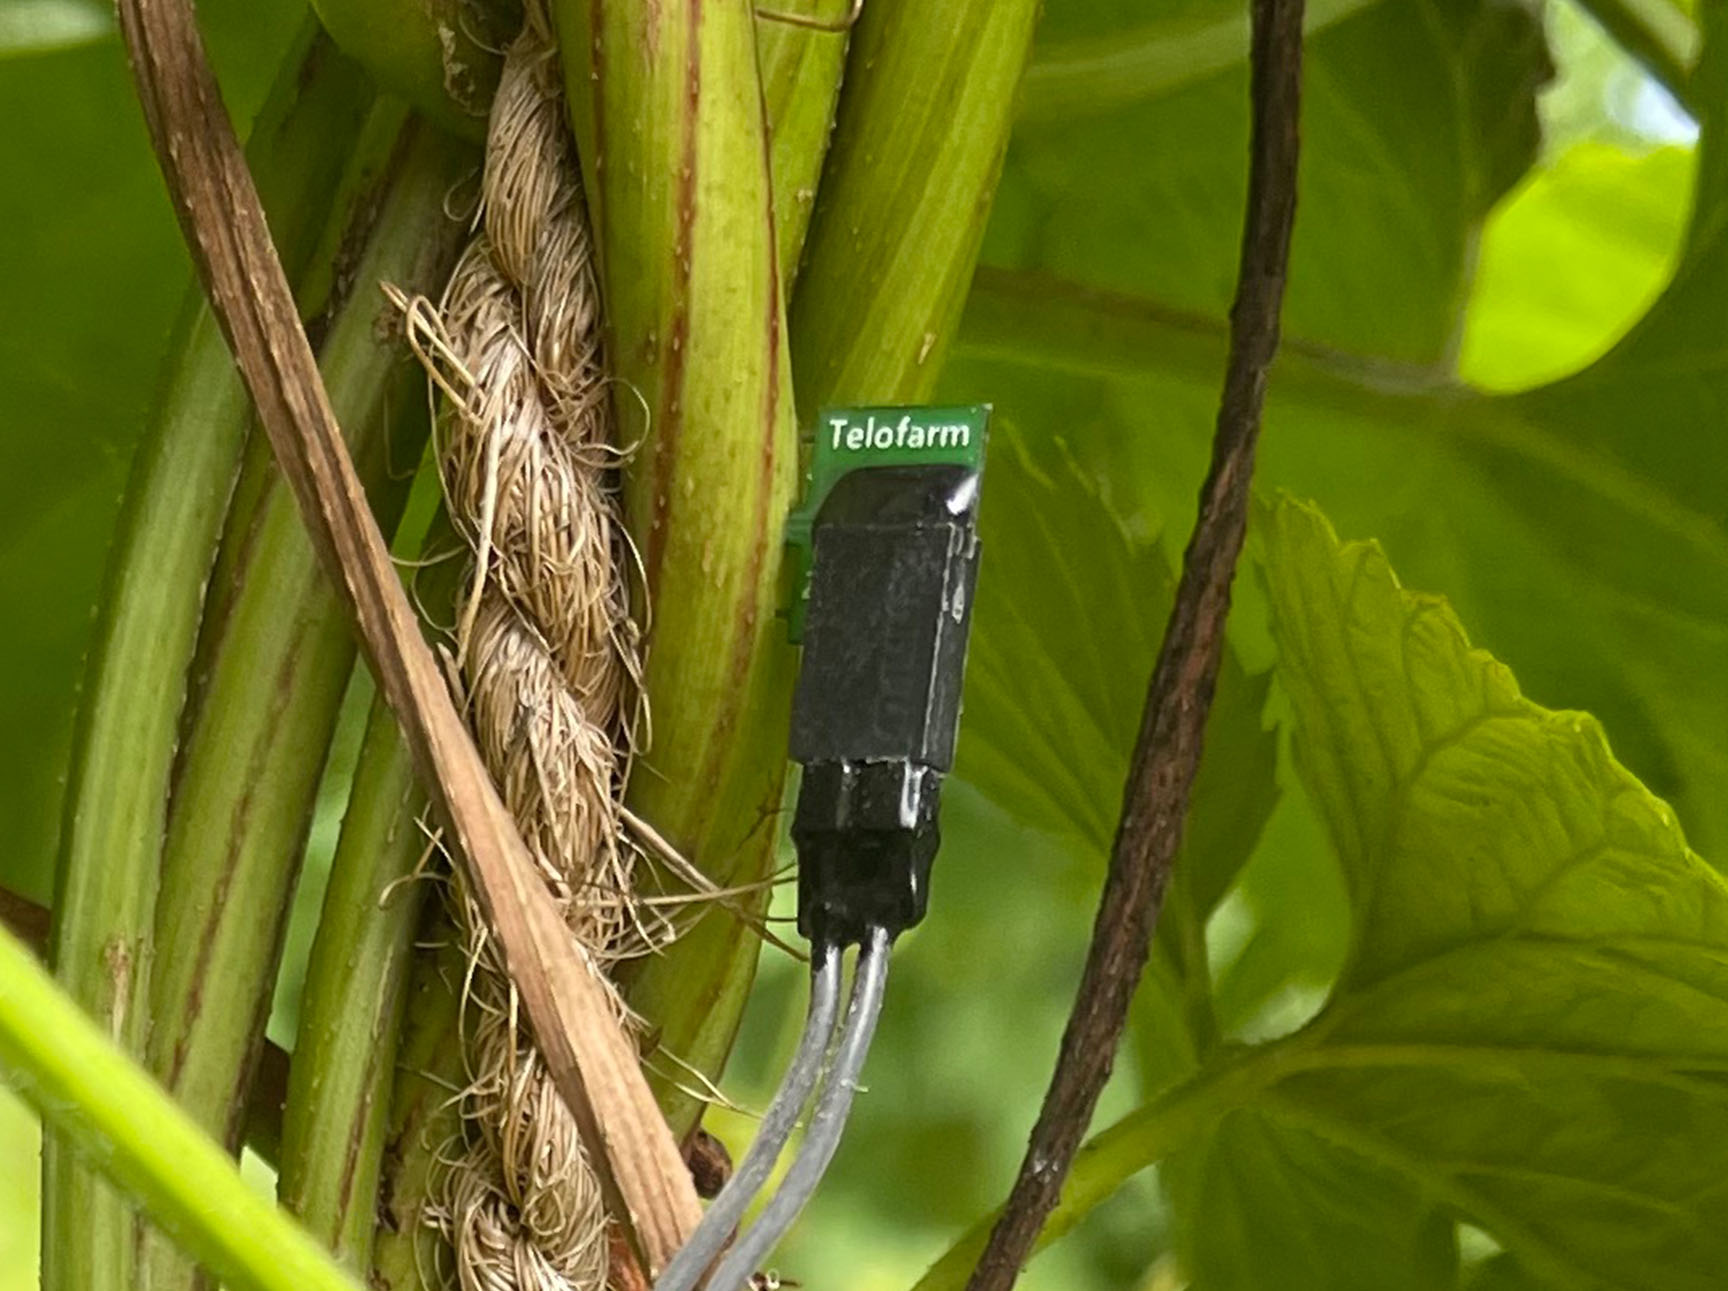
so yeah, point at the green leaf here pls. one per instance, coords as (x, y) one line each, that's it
(1529, 1034)
(1056, 753)
(1532, 315)
(1521, 1034)
(1579, 528)
(1082, 65)
(1362, 1227)
(1055, 687)
(1415, 116)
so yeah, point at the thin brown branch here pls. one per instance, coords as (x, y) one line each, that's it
(1179, 696)
(594, 1063)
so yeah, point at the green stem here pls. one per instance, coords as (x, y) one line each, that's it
(333, 1127)
(280, 651)
(918, 145)
(666, 107)
(801, 69)
(103, 1104)
(425, 1116)
(337, 1115)
(116, 801)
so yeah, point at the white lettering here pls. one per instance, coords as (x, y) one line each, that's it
(904, 433)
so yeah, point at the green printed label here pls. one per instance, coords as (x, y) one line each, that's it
(853, 439)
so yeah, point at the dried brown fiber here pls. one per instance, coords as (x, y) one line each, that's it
(548, 655)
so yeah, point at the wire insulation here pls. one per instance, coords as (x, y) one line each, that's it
(826, 1125)
(685, 1269)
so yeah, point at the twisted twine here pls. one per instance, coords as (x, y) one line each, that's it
(548, 655)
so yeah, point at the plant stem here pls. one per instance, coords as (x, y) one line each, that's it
(279, 658)
(801, 69)
(100, 1101)
(334, 1124)
(667, 113)
(425, 1114)
(29, 922)
(918, 144)
(1179, 696)
(338, 1107)
(440, 55)
(117, 790)
(593, 1063)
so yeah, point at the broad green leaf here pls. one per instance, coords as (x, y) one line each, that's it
(1522, 1035)
(1091, 58)
(1531, 1034)
(1069, 611)
(1359, 1226)
(1578, 528)
(1068, 597)
(1270, 971)
(1415, 117)
(1533, 316)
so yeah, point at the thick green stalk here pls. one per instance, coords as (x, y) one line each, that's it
(425, 1117)
(279, 659)
(337, 1115)
(440, 55)
(918, 144)
(117, 789)
(801, 70)
(102, 1103)
(667, 110)
(333, 1127)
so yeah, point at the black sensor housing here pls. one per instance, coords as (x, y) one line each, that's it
(877, 709)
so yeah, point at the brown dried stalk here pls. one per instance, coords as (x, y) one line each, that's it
(1167, 753)
(592, 1061)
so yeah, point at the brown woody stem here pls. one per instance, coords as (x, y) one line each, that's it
(1179, 697)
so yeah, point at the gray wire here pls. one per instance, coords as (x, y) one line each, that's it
(691, 1261)
(826, 1124)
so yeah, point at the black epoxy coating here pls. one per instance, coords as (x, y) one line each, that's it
(878, 702)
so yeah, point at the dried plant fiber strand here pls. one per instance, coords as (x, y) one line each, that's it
(547, 653)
